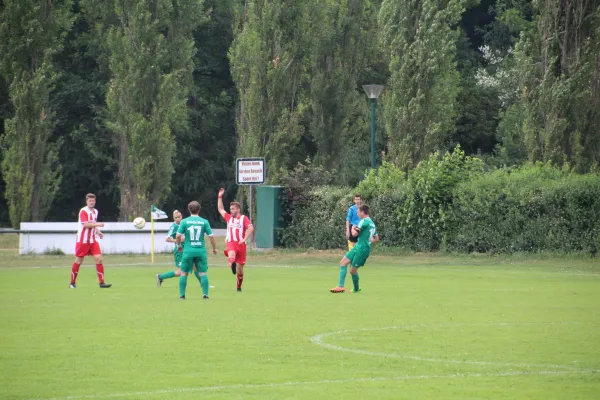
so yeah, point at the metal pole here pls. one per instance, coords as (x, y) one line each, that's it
(373, 133)
(250, 211)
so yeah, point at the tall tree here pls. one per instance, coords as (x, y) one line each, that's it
(88, 155)
(297, 66)
(30, 34)
(205, 151)
(559, 64)
(151, 49)
(420, 101)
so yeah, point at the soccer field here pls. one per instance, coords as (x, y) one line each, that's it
(423, 327)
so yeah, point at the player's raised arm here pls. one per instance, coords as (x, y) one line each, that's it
(220, 203)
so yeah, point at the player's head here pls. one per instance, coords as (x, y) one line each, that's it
(235, 209)
(357, 199)
(194, 208)
(177, 216)
(363, 211)
(90, 200)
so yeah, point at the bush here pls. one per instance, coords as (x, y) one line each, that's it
(320, 222)
(382, 181)
(53, 252)
(428, 196)
(314, 213)
(532, 208)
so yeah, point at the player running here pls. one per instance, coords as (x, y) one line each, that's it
(87, 241)
(192, 231)
(357, 257)
(177, 255)
(239, 230)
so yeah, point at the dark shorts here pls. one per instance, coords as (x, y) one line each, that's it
(352, 239)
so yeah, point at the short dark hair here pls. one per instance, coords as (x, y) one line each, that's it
(90, 196)
(235, 204)
(358, 195)
(194, 207)
(365, 209)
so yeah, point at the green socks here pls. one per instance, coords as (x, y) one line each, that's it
(182, 284)
(355, 282)
(197, 275)
(204, 284)
(343, 272)
(167, 275)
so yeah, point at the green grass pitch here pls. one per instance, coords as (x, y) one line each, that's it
(424, 327)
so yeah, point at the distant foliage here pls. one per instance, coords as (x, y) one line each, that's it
(381, 181)
(423, 217)
(450, 203)
(532, 208)
(31, 33)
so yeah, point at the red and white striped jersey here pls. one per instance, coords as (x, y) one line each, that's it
(87, 235)
(236, 227)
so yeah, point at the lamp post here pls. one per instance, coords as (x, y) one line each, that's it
(373, 91)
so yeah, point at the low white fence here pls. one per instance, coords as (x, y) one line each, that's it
(119, 237)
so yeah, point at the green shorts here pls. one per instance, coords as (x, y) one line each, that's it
(189, 260)
(178, 257)
(358, 257)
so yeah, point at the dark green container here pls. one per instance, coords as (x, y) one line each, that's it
(268, 216)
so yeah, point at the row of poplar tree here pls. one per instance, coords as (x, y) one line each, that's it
(150, 101)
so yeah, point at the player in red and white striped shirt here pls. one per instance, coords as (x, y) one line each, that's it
(87, 241)
(239, 230)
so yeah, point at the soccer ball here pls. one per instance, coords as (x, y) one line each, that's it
(139, 222)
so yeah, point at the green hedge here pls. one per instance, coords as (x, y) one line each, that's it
(320, 222)
(449, 202)
(534, 208)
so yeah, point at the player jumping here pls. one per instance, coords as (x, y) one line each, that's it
(357, 257)
(239, 230)
(87, 241)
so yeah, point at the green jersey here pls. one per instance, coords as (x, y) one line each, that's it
(367, 231)
(172, 233)
(194, 228)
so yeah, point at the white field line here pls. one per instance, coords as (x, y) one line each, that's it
(308, 383)
(149, 264)
(221, 264)
(319, 341)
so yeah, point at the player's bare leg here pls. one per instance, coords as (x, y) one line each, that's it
(75, 271)
(343, 271)
(240, 276)
(232, 264)
(100, 271)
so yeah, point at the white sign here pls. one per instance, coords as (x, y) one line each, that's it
(250, 171)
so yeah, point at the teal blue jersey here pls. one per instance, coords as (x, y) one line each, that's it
(367, 230)
(194, 228)
(172, 234)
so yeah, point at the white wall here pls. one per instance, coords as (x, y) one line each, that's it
(119, 237)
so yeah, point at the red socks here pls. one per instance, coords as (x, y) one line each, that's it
(240, 279)
(74, 272)
(100, 272)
